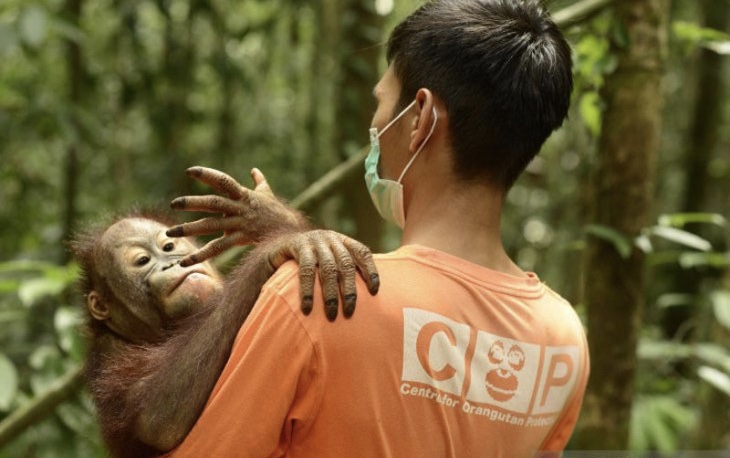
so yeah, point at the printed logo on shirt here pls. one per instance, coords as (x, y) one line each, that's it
(479, 371)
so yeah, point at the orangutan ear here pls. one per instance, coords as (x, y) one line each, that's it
(97, 307)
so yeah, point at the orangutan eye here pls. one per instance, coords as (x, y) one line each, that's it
(169, 246)
(141, 261)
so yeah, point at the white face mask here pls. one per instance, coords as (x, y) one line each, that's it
(387, 195)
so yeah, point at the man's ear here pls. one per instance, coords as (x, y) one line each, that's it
(423, 123)
(97, 308)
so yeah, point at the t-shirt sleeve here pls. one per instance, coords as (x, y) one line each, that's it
(267, 387)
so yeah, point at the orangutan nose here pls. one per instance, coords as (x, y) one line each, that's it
(171, 265)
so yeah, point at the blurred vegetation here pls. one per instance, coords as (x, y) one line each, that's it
(104, 103)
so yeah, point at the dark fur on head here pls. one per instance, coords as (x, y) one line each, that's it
(84, 244)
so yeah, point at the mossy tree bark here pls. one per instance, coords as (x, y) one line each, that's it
(623, 189)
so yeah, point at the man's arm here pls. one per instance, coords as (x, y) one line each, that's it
(270, 386)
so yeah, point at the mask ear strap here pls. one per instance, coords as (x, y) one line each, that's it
(420, 148)
(400, 115)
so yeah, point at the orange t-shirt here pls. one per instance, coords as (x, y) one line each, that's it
(450, 359)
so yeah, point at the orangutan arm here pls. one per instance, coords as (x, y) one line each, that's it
(250, 216)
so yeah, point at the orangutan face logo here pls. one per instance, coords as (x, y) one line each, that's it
(501, 383)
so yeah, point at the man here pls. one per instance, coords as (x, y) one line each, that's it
(461, 353)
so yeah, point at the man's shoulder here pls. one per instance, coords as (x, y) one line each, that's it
(284, 276)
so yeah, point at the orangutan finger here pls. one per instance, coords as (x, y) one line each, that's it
(208, 204)
(262, 184)
(209, 250)
(307, 271)
(347, 273)
(204, 226)
(221, 182)
(299, 249)
(365, 263)
(328, 277)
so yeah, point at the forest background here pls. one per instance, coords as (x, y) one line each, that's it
(105, 103)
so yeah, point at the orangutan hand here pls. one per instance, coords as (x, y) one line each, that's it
(338, 258)
(247, 216)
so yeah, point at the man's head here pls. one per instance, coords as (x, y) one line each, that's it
(502, 70)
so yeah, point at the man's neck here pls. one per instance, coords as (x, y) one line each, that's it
(463, 222)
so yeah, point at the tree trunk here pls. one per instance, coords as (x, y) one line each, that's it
(623, 188)
(360, 36)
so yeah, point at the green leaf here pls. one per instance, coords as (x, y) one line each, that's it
(716, 378)
(674, 299)
(707, 353)
(8, 382)
(681, 237)
(657, 421)
(719, 47)
(713, 354)
(620, 241)
(681, 219)
(643, 242)
(620, 35)
(721, 307)
(33, 25)
(696, 34)
(48, 364)
(590, 112)
(695, 259)
(26, 266)
(32, 291)
(67, 322)
(8, 286)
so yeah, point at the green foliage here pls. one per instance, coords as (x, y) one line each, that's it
(659, 423)
(666, 414)
(667, 229)
(620, 242)
(8, 382)
(721, 307)
(593, 62)
(692, 35)
(162, 85)
(41, 342)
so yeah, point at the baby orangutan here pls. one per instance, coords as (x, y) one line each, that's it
(162, 320)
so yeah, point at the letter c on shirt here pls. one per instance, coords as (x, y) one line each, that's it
(423, 349)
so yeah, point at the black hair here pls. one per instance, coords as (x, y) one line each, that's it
(503, 70)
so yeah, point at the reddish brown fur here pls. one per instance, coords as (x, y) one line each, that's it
(163, 383)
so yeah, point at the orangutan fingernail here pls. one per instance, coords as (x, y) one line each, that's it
(189, 261)
(348, 308)
(374, 283)
(176, 231)
(307, 302)
(178, 204)
(330, 309)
